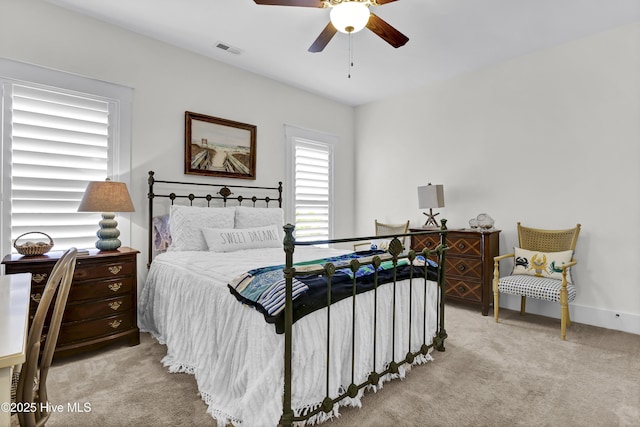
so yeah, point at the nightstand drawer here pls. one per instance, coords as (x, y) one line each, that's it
(39, 274)
(78, 331)
(428, 241)
(464, 245)
(91, 270)
(464, 289)
(88, 290)
(466, 267)
(96, 309)
(101, 288)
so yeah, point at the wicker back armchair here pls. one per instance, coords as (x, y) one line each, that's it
(536, 239)
(542, 270)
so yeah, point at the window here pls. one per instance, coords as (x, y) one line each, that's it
(310, 160)
(54, 141)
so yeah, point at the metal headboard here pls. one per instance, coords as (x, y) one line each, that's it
(221, 192)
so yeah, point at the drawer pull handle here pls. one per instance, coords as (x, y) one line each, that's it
(36, 297)
(115, 269)
(461, 288)
(461, 245)
(39, 278)
(115, 323)
(114, 305)
(462, 268)
(115, 287)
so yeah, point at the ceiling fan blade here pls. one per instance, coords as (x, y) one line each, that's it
(324, 38)
(389, 34)
(299, 3)
(381, 2)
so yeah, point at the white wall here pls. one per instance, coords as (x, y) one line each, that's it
(550, 139)
(168, 81)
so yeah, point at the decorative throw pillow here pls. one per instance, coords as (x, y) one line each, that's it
(235, 239)
(161, 233)
(541, 264)
(259, 217)
(187, 222)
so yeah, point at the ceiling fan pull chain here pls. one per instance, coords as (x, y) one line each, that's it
(350, 54)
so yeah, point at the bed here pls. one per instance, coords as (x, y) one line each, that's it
(305, 352)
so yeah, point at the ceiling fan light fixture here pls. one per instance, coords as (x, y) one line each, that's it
(349, 16)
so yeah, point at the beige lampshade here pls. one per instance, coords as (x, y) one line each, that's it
(106, 196)
(431, 196)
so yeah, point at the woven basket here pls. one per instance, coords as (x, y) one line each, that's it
(33, 248)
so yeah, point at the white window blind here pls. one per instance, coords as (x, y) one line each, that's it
(313, 189)
(59, 142)
(58, 132)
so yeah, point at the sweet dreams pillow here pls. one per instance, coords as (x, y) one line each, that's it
(235, 239)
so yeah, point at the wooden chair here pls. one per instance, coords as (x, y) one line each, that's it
(386, 230)
(32, 383)
(537, 274)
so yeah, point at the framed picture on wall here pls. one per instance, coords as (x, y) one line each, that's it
(219, 147)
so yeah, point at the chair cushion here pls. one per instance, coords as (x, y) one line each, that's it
(541, 264)
(535, 287)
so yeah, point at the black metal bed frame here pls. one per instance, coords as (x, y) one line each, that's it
(395, 253)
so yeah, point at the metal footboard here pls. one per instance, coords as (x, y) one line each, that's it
(392, 366)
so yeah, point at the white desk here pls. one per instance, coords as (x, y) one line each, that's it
(15, 291)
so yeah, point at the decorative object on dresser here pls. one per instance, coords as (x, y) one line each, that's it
(430, 197)
(30, 248)
(107, 197)
(482, 221)
(101, 308)
(541, 270)
(469, 266)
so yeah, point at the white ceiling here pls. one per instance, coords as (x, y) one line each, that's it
(446, 37)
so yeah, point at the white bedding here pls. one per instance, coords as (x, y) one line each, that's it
(237, 358)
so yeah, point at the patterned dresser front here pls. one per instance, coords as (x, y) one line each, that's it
(469, 263)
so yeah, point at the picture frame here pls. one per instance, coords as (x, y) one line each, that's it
(219, 147)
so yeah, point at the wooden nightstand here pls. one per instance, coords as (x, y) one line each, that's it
(101, 308)
(469, 263)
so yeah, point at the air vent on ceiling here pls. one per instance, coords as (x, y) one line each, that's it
(228, 48)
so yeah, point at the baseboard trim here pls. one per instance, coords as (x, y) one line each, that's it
(619, 321)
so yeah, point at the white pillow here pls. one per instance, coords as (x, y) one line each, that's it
(235, 239)
(541, 264)
(187, 222)
(259, 217)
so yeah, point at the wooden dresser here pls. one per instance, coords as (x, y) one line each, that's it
(469, 263)
(101, 308)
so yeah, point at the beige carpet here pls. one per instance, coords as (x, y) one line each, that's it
(516, 373)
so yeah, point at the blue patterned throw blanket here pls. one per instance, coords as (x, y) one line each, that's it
(264, 288)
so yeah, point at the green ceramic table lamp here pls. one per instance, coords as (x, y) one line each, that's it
(107, 197)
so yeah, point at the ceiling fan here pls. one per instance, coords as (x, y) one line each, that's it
(347, 16)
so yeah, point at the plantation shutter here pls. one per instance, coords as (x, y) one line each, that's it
(312, 189)
(59, 142)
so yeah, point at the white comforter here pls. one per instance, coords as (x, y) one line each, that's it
(237, 358)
